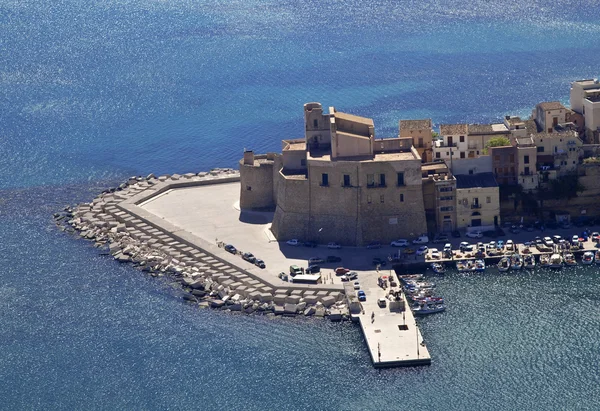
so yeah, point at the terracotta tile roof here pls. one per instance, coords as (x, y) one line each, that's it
(551, 105)
(453, 129)
(415, 124)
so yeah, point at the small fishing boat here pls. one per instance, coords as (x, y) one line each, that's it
(570, 259)
(588, 258)
(529, 261)
(556, 261)
(438, 268)
(516, 262)
(597, 257)
(426, 309)
(479, 265)
(503, 264)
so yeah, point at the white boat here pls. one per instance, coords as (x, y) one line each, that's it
(588, 258)
(516, 262)
(503, 264)
(438, 268)
(597, 257)
(426, 309)
(479, 265)
(544, 260)
(556, 261)
(570, 259)
(529, 261)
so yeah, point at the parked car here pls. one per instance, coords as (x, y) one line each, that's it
(333, 259)
(333, 245)
(352, 275)
(310, 244)
(259, 263)
(474, 234)
(382, 302)
(313, 269)
(361, 295)
(595, 236)
(293, 241)
(356, 285)
(575, 240)
(556, 239)
(548, 242)
(435, 254)
(421, 240)
(374, 244)
(422, 250)
(295, 270)
(341, 271)
(463, 246)
(379, 261)
(440, 239)
(448, 247)
(399, 243)
(249, 257)
(315, 260)
(230, 249)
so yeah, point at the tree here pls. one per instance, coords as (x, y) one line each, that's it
(496, 142)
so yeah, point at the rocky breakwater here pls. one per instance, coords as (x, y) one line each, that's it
(205, 278)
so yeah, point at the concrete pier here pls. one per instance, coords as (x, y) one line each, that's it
(393, 338)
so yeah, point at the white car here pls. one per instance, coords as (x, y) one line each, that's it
(315, 260)
(399, 243)
(333, 245)
(435, 254)
(422, 250)
(421, 240)
(447, 247)
(474, 234)
(356, 285)
(575, 239)
(548, 242)
(510, 246)
(293, 241)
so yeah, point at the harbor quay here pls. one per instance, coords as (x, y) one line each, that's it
(179, 225)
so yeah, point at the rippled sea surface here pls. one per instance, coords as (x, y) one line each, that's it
(93, 92)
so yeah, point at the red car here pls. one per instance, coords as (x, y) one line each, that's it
(341, 271)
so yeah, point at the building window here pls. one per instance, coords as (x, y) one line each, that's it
(445, 189)
(324, 179)
(526, 170)
(401, 198)
(449, 208)
(382, 180)
(369, 199)
(462, 154)
(370, 180)
(248, 188)
(488, 200)
(381, 198)
(526, 159)
(303, 163)
(462, 139)
(437, 154)
(477, 152)
(446, 198)
(420, 142)
(347, 180)
(315, 123)
(400, 179)
(447, 154)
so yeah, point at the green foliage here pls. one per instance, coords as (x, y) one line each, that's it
(562, 188)
(435, 134)
(496, 142)
(591, 160)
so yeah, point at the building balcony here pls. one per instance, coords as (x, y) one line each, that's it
(474, 206)
(443, 144)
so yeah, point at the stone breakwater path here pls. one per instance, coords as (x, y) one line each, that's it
(209, 275)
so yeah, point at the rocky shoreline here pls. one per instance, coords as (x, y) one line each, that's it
(205, 279)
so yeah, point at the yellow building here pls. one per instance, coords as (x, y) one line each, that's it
(477, 201)
(420, 132)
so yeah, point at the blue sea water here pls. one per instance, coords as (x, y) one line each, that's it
(96, 91)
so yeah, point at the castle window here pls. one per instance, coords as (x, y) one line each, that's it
(347, 180)
(248, 188)
(370, 180)
(400, 179)
(526, 159)
(462, 139)
(488, 200)
(325, 179)
(315, 123)
(437, 154)
(540, 149)
(401, 198)
(462, 154)
(382, 180)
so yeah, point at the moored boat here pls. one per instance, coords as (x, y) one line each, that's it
(545, 260)
(516, 262)
(426, 309)
(597, 257)
(588, 258)
(569, 259)
(504, 264)
(529, 261)
(438, 268)
(556, 261)
(479, 265)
